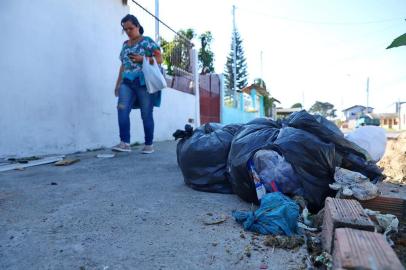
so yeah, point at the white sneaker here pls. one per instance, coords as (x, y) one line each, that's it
(148, 149)
(122, 147)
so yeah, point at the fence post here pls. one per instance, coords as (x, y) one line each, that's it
(196, 85)
(221, 97)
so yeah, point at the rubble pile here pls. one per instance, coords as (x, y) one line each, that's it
(394, 160)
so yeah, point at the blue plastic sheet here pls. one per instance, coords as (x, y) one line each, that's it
(277, 214)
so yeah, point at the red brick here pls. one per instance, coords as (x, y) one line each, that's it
(341, 213)
(356, 249)
(387, 205)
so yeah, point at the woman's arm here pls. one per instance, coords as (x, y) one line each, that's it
(118, 82)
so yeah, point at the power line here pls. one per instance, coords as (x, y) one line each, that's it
(170, 28)
(321, 22)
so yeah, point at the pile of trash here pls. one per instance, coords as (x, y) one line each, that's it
(297, 156)
(394, 160)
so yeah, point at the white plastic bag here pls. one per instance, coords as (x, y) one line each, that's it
(372, 139)
(351, 183)
(154, 79)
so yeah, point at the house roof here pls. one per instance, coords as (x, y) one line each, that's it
(363, 107)
(260, 90)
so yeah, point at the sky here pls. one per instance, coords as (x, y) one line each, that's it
(312, 50)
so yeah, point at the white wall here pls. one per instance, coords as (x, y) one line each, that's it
(58, 63)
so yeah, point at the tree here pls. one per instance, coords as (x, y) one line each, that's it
(397, 42)
(323, 108)
(176, 53)
(297, 105)
(241, 66)
(206, 56)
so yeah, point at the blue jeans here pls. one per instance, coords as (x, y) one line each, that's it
(129, 92)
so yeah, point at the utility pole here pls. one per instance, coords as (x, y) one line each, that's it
(234, 54)
(261, 70)
(157, 22)
(367, 94)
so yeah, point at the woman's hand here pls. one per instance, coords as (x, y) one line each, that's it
(136, 58)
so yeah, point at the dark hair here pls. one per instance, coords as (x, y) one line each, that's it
(133, 20)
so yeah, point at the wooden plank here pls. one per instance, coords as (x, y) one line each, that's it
(42, 161)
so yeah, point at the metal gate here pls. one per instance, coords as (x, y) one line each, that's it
(209, 86)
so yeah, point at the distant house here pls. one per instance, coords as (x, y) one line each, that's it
(388, 120)
(285, 112)
(245, 106)
(356, 111)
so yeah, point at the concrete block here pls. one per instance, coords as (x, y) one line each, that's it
(356, 249)
(341, 213)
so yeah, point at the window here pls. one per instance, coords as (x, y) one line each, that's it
(385, 121)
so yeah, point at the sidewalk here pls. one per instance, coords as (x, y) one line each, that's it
(132, 211)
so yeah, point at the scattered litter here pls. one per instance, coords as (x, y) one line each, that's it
(324, 259)
(247, 251)
(66, 162)
(24, 159)
(285, 242)
(45, 160)
(105, 155)
(263, 266)
(386, 223)
(277, 215)
(314, 245)
(350, 183)
(214, 219)
(305, 227)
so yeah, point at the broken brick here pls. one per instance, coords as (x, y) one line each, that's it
(387, 205)
(340, 213)
(356, 249)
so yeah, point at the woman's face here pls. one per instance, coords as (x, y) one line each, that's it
(131, 30)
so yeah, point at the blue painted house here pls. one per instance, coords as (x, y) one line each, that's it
(244, 106)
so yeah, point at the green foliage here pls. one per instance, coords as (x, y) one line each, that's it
(259, 83)
(206, 56)
(176, 53)
(297, 105)
(323, 108)
(397, 42)
(241, 67)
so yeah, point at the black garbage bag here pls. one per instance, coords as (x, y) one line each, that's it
(348, 154)
(202, 157)
(326, 131)
(266, 122)
(250, 138)
(313, 161)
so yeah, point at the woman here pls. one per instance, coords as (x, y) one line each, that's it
(130, 87)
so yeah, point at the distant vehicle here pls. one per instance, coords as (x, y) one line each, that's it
(366, 120)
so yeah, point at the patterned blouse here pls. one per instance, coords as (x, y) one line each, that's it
(134, 70)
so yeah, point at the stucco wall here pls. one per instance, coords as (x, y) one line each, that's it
(59, 62)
